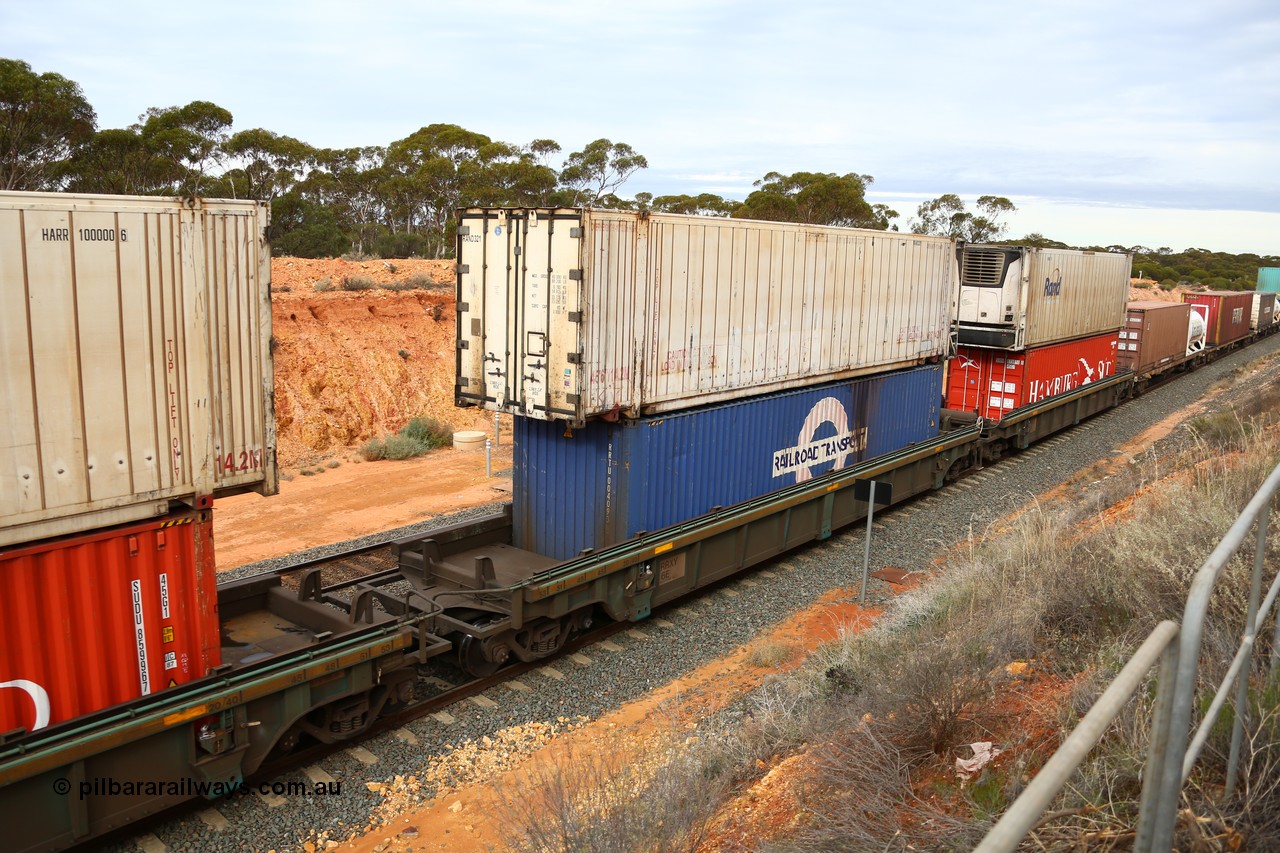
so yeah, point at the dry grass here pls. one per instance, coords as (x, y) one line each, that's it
(606, 800)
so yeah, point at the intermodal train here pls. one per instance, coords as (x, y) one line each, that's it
(693, 396)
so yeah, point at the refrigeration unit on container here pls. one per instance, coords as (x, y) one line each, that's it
(1269, 279)
(96, 619)
(993, 382)
(1264, 311)
(1157, 335)
(1018, 297)
(574, 314)
(1229, 314)
(136, 365)
(606, 482)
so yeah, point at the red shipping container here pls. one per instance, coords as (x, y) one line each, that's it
(994, 382)
(1229, 314)
(96, 619)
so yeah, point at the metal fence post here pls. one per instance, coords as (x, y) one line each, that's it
(1156, 750)
(1250, 632)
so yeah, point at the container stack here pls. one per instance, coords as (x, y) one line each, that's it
(137, 366)
(1033, 323)
(660, 366)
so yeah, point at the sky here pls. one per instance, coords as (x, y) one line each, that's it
(1132, 123)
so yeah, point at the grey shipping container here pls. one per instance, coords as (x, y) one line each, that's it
(135, 335)
(1154, 336)
(574, 314)
(1264, 311)
(606, 482)
(1016, 297)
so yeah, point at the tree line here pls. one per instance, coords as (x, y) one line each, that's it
(398, 200)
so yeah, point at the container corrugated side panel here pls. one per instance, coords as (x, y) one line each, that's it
(238, 288)
(103, 618)
(561, 486)
(119, 358)
(739, 308)
(609, 482)
(1073, 294)
(1269, 279)
(1154, 335)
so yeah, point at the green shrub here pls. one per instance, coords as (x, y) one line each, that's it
(358, 282)
(400, 244)
(415, 438)
(417, 281)
(323, 285)
(373, 450)
(404, 447)
(429, 431)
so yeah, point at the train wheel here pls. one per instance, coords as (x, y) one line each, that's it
(473, 660)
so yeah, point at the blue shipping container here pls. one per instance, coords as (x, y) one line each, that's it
(609, 482)
(1268, 280)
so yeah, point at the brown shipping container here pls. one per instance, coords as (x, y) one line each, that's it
(93, 620)
(135, 364)
(1154, 336)
(1230, 314)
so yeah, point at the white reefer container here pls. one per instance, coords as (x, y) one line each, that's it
(573, 314)
(136, 366)
(1015, 297)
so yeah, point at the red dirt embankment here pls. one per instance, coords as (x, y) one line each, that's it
(354, 364)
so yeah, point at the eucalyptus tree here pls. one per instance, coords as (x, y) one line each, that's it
(815, 198)
(44, 120)
(703, 204)
(947, 215)
(349, 182)
(119, 161)
(268, 164)
(190, 139)
(597, 171)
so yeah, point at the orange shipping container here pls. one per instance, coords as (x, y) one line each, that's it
(93, 620)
